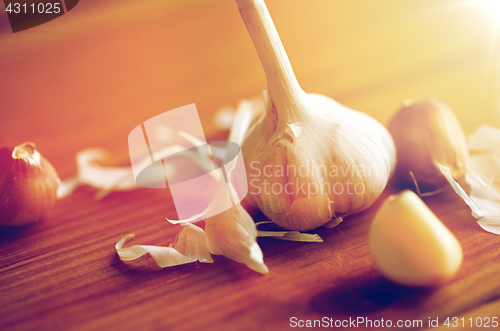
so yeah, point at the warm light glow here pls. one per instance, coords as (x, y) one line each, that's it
(493, 6)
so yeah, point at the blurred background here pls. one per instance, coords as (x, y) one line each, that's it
(90, 76)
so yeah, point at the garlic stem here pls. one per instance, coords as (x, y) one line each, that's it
(284, 89)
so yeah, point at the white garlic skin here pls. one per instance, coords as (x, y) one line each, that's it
(28, 185)
(427, 132)
(331, 136)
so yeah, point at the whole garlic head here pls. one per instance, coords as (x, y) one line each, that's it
(28, 185)
(309, 159)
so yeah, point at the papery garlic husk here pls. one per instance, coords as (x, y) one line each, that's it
(318, 159)
(189, 246)
(235, 239)
(427, 133)
(28, 185)
(233, 233)
(484, 161)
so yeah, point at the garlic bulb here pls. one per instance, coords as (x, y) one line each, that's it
(309, 159)
(427, 133)
(28, 185)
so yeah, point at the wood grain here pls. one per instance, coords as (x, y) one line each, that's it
(88, 78)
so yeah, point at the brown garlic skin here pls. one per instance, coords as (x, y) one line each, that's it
(28, 185)
(427, 132)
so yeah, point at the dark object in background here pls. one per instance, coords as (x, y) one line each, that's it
(27, 14)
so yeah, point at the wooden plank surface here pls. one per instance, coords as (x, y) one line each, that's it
(89, 77)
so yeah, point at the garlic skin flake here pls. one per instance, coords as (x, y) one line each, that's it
(288, 235)
(486, 139)
(232, 233)
(189, 246)
(484, 146)
(476, 211)
(91, 172)
(309, 159)
(110, 178)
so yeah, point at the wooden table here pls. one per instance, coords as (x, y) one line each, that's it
(89, 77)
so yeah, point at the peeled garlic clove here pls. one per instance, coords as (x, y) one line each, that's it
(410, 245)
(28, 185)
(309, 160)
(427, 132)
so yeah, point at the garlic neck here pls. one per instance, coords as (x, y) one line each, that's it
(284, 90)
(28, 153)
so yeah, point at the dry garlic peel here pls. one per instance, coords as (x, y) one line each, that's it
(288, 235)
(410, 245)
(224, 116)
(232, 233)
(92, 173)
(111, 178)
(484, 160)
(309, 159)
(190, 246)
(476, 211)
(485, 139)
(427, 133)
(292, 236)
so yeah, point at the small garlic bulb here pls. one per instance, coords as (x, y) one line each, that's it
(28, 185)
(427, 132)
(309, 159)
